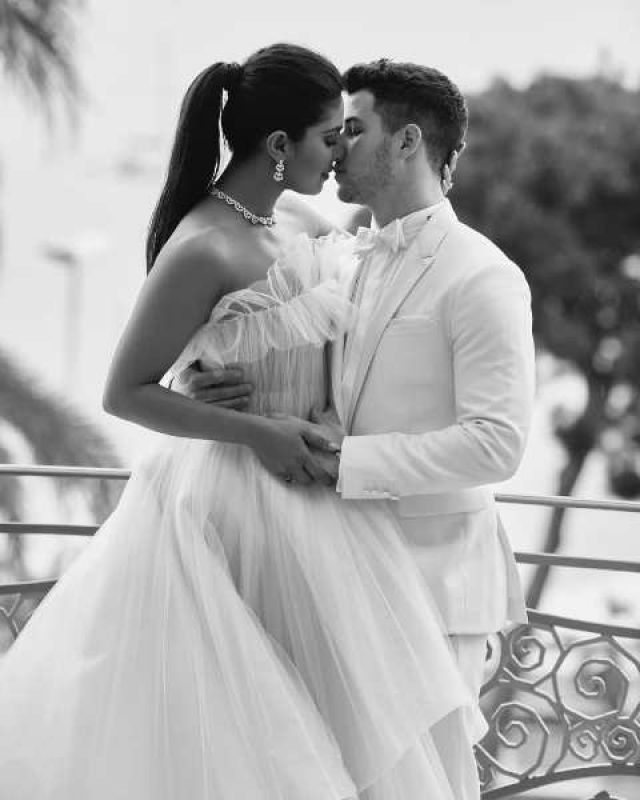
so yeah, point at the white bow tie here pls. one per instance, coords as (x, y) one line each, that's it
(391, 238)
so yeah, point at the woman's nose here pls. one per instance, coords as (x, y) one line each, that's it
(340, 148)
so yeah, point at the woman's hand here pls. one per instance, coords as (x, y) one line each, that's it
(283, 445)
(329, 423)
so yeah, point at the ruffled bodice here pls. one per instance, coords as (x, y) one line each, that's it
(277, 328)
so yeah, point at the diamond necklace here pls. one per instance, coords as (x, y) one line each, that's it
(254, 219)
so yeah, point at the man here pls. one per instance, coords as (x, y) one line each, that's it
(434, 384)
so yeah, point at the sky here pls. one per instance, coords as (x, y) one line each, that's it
(472, 40)
(162, 45)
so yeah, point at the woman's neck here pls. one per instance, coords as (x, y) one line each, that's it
(250, 182)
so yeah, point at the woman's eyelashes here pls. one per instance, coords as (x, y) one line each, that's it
(351, 130)
(332, 139)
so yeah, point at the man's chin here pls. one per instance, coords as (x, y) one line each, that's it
(346, 194)
(309, 188)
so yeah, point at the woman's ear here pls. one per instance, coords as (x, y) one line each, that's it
(411, 139)
(278, 145)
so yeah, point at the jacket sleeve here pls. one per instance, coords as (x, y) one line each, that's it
(489, 330)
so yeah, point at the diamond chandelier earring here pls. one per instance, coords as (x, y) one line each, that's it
(446, 181)
(449, 167)
(278, 175)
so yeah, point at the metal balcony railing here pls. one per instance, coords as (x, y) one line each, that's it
(562, 696)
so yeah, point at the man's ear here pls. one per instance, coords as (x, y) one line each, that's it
(411, 139)
(278, 145)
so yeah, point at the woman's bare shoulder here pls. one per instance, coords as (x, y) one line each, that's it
(206, 252)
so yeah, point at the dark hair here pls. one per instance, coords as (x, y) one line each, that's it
(280, 87)
(405, 93)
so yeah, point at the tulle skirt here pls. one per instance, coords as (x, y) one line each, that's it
(227, 636)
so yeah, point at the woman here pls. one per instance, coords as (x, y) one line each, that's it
(232, 632)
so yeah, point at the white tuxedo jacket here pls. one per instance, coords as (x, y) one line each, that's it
(440, 409)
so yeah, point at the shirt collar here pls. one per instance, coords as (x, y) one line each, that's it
(397, 234)
(407, 227)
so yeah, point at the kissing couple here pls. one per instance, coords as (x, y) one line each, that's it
(292, 599)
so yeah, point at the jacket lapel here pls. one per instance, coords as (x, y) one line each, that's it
(336, 356)
(417, 260)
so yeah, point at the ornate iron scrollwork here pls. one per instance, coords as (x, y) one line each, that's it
(563, 702)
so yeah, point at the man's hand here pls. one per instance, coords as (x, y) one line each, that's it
(330, 427)
(223, 386)
(329, 463)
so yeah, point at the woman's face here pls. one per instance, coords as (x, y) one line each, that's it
(311, 159)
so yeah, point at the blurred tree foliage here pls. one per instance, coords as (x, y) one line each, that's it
(552, 175)
(36, 51)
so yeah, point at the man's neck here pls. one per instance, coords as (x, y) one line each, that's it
(397, 202)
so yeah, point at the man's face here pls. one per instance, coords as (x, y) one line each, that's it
(363, 169)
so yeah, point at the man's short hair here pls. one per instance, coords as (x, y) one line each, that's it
(410, 93)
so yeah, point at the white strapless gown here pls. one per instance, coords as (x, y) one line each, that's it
(226, 636)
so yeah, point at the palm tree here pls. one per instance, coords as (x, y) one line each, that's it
(36, 45)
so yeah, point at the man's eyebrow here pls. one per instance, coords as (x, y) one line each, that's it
(352, 119)
(335, 129)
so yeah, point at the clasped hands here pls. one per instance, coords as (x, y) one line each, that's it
(297, 451)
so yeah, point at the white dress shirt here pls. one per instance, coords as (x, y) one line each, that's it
(381, 254)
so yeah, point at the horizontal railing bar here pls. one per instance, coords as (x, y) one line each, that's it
(25, 529)
(52, 471)
(26, 587)
(30, 528)
(560, 501)
(55, 471)
(577, 562)
(523, 785)
(542, 618)
(535, 617)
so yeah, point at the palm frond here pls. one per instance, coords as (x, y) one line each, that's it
(57, 433)
(36, 41)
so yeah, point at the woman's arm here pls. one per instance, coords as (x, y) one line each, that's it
(175, 300)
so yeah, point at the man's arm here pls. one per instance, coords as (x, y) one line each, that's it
(494, 369)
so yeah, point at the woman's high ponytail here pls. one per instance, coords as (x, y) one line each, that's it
(195, 156)
(280, 87)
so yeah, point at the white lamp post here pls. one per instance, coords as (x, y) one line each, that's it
(72, 254)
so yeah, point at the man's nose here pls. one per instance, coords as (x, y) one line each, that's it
(340, 148)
